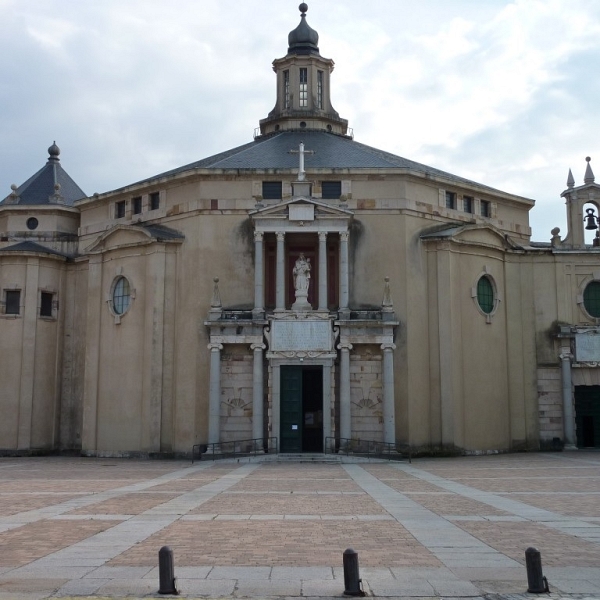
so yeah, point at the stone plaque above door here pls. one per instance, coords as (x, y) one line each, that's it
(301, 336)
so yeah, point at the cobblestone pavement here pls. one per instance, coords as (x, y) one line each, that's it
(436, 528)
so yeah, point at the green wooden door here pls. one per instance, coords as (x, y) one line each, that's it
(291, 409)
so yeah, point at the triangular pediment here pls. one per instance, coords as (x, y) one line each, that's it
(586, 187)
(123, 236)
(282, 209)
(474, 234)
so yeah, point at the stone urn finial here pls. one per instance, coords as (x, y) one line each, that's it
(387, 304)
(216, 297)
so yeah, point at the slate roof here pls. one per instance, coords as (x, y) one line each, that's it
(40, 187)
(28, 246)
(331, 152)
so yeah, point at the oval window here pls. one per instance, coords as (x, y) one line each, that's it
(121, 296)
(485, 295)
(591, 299)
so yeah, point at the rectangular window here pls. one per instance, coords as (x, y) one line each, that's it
(120, 209)
(46, 304)
(486, 208)
(214, 204)
(272, 190)
(331, 190)
(451, 200)
(286, 89)
(12, 299)
(468, 204)
(303, 88)
(154, 200)
(320, 89)
(136, 205)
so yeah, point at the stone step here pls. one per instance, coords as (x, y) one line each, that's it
(306, 457)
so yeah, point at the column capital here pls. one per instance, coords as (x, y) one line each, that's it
(565, 356)
(258, 347)
(215, 347)
(322, 236)
(258, 236)
(344, 235)
(280, 236)
(345, 346)
(388, 346)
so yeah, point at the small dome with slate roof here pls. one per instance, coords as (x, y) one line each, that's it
(50, 185)
(303, 87)
(304, 39)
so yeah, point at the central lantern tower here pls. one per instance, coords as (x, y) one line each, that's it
(303, 87)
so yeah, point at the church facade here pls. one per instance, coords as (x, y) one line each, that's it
(295, 293)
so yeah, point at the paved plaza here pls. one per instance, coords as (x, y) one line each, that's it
(447, 527)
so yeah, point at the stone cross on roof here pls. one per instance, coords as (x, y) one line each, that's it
(301, 152)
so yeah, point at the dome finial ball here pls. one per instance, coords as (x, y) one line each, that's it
(303, 8)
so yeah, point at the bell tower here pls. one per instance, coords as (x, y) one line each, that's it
(576, 199)
(303, 87)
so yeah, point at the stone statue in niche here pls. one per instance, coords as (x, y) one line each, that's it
(301, 274)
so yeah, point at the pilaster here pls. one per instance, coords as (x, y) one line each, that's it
(214, 399)
(389, 424)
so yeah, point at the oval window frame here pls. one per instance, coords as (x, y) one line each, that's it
(495, 294)
(585, 299)
(116, 302)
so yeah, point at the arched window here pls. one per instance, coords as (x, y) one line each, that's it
(591, 299)
(485, 294)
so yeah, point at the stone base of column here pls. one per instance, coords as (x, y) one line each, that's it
(212, 449)
(258, 313)
(570, 447)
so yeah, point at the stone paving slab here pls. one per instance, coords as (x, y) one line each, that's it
(438, 528)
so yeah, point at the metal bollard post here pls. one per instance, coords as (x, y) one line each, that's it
(536, 582)
(352, 581)
(166, 571)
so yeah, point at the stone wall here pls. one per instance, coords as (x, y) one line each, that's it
(366, 393)
(236, 393)
(550, 403)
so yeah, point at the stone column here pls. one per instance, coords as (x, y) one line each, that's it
(345, 413)
(257, 394)
(326, 405)
(322, 270)
(344, 276)
(258, 274)
(389, 425)
(280, 273)
(214, 398)
(567, 397)
(275, 404)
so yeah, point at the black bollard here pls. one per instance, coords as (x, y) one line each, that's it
(352, 581)
(166, 571)
(536, 582)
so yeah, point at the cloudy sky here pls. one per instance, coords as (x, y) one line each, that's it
(502, 92)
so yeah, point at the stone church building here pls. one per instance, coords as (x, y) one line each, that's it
(301, 290)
